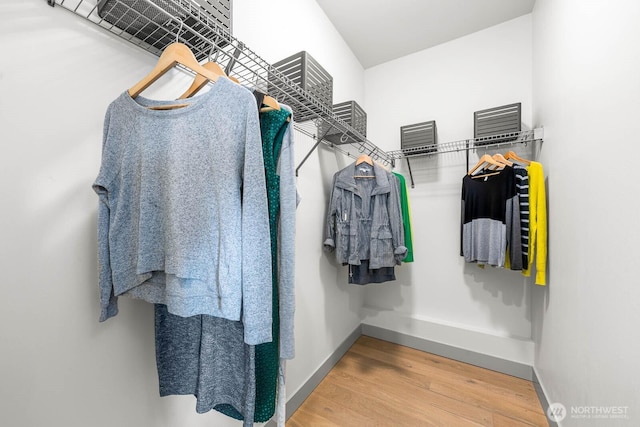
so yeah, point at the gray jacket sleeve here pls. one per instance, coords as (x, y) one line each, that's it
(330, 223)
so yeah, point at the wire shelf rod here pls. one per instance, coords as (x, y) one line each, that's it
(494, 141)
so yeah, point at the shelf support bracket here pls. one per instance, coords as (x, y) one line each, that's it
(319, 140)
(413, 185)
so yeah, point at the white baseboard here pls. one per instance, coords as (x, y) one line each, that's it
(517, 350)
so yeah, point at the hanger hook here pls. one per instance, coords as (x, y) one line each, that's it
(344, 138)
(213, 47)
(179, 31)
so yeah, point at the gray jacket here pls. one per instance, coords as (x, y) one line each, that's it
(379, 231)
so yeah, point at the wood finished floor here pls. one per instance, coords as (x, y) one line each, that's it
(377, 383)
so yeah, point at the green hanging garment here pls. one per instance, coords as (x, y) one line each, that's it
(406, 217)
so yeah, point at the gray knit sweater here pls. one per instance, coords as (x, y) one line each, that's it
(182, 217)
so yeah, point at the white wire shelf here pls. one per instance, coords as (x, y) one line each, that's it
(514, 138)
(208, 39)
(524, 137)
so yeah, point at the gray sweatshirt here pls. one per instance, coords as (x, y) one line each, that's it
(182, 216)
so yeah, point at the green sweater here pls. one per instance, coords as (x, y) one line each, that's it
(405, 206)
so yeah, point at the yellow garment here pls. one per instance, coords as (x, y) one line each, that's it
(537, 223)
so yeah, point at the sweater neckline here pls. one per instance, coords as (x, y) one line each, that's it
(140, 103)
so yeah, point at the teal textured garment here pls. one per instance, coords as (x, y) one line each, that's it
(273, 125)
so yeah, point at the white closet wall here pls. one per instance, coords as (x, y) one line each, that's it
(327, 309)
(586, 94)
(58, 73)
(439, 297)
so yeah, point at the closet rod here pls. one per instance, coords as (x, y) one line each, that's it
(156, 28)
(523, 137)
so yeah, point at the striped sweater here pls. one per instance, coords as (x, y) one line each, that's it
(491, 220)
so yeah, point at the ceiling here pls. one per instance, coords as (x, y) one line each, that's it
(382, 30)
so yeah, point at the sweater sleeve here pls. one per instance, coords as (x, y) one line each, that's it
(514, 226)
(514, 242)
(286, 244)
(462, 217)
(538, 223)
(255, 240)
(108, 301)
(541, 231)
(522, 184)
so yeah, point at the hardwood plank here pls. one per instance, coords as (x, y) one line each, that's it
(377, 383)
(522, 398)
(329, 413)
(308, 417)
(408, 399)
(502, 421)
(490, 402)
(369, 404)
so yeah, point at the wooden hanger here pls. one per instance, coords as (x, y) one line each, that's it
(175, 53)
(200, 81)
(500, 159)
(364, 158)
(271, 104)
(514, 156)
(485, 159)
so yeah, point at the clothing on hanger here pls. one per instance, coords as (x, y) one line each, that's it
(406, 216)
(219, 297)
(172, 55)
(158, 236)
(490, 223)
(537, 224)
(361, 274)
(205, 356)
(484, 162)
(252, 383)
(364, 219)
(522, 188)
